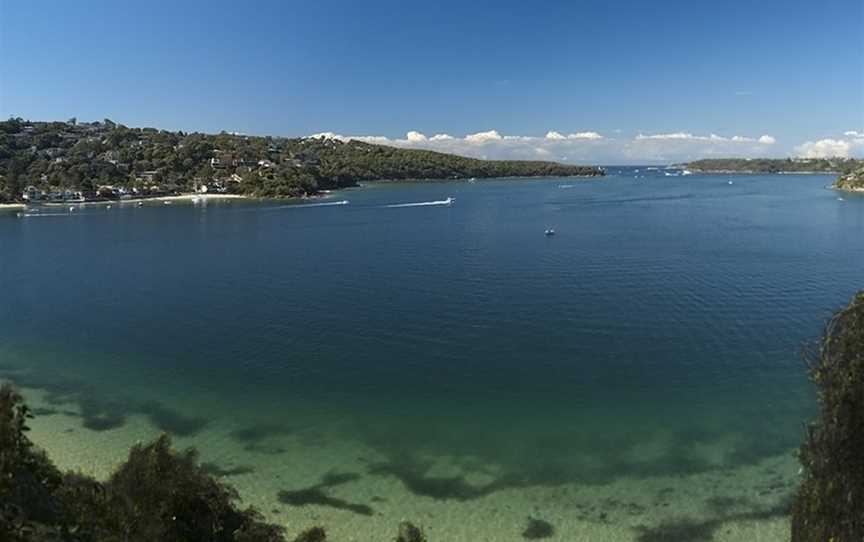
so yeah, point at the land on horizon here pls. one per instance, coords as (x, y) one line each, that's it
(104, 160)
(64, 161)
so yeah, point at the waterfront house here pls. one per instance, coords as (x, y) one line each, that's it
(32, 194)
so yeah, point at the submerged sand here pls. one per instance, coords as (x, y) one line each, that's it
(365, 503)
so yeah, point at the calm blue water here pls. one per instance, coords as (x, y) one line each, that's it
(670, 307)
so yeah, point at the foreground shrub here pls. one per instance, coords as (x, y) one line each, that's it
(829, 505)
(157, 494)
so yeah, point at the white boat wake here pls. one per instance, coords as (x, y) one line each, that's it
(30, 215)
(448, 201)
(305, 205)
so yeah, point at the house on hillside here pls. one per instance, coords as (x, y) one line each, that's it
(147, 176)
(32, 194)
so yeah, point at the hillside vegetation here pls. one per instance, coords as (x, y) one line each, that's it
(158, 493)
(851, 181)
(829, 505)
(85, 157)
(775, 165)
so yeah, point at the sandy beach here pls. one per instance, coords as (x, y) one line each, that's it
(181, 197)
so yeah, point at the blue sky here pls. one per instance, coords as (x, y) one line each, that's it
(654, 80)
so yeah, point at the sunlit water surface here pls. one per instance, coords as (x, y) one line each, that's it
(450, 353)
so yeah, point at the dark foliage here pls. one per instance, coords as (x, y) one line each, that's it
(408, 532)
(88, 156)
(830, 502)
(774, 165)
(851, 181)
(157, 494)
(538, 528)
(313, 534)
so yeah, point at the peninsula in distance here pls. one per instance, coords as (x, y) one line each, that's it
(850, 171)
(104, 160)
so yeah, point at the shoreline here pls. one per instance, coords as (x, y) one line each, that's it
(180, 197)
(754, 172)
(599, 512)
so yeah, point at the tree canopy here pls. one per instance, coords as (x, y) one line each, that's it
(83, 156)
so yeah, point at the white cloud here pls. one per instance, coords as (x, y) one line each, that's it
(382, 140)
(686, 136)
(585, 135)
(675, 135)
(824, 148)
(581, 147)
(685, 146)
(558, 136)
(854, 133)
(483, 137)
(415, 137)
(327, 135)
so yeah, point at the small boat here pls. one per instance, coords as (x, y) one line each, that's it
(71, 209)
(140, 204)
(449, 201)
(549, 232)
(166, 203)
(730, 182)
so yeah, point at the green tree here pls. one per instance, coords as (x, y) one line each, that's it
(829, 505)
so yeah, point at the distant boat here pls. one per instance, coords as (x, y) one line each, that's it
(549, 232)
(472, 180)
(449, 200)
(71, 209)
(166, 203)
(140, 204)
(730, 182)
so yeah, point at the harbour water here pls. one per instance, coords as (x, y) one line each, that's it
(634, 377)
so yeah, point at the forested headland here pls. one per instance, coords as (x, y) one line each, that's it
(775, 165)
(106, 159)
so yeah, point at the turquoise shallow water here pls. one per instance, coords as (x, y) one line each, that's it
(657, 334)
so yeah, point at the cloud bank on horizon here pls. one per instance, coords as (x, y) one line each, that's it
(850, 145)
(593, 147)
